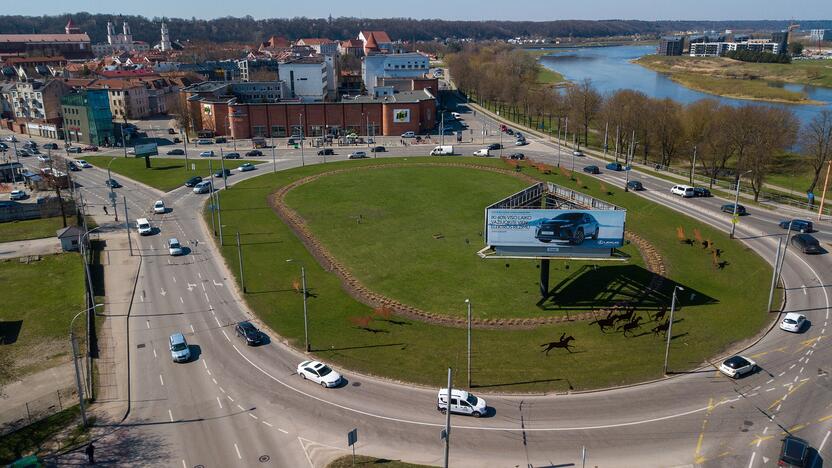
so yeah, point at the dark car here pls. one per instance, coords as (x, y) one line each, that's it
(254, 153)
(701, 192)
(219, 140)
(614, 166)
(797, 225)
(519, 156)
(73, 149)
(572, 227)
(326, 152)
(171, 131)
(176, 152)
(52, 146)
(193, 181)
(90, 148)
(729, 208)
(231, 156)
(249, 333)
(378, 149)
(72, 166)
(795, 452)
(635, 185)
(806, 243)
(112, 183)
(592, 170)
(494, 146)
(222, 172)
(509, 131)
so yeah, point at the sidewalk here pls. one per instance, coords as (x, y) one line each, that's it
(24, 248)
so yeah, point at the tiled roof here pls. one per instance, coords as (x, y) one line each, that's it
(351, 43)
(24, 60)
(315, 41)
(380, 36)
(35, 38)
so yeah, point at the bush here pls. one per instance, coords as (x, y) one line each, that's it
(758, 57)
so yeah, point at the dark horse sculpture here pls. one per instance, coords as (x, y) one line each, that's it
(563, 342)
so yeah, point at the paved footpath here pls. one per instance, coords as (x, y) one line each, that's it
(45, 246)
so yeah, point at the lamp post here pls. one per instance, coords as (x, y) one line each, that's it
(305, 315)
(736, 205)
(670, 325)
(468, 303)
(74, 345)
(300, 122)
(110, 184)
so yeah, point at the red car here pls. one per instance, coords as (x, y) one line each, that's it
(90, 148)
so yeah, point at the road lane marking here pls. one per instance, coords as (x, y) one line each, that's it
(800, 371)
(219, 402)
(751, 462)
(170, 414)
(200, 275)
(825, 438)
(222, 389)
(203, 286)
(267, 423)
(205, 364)
(218, 322)
(206, 297)
(769, 381)
(192, 329)
(238, 452)
(229, 397)
(226, 336)
(241, 408)
(765, 430)
(781, 374)
(184, 465)
(161, 380)
(825, 418)
(147, 322)
(191, 287)
(217, 284)
(154, 353)
(181, 300)
(771, 389)
(174, 278)
(252, 415)
(792, 366)
(215, 380)
(283, 431)
(164, 293)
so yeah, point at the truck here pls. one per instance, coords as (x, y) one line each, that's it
(445, 150)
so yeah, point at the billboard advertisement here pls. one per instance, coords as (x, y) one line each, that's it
(555, 232)
(147, 149)
(401, 115)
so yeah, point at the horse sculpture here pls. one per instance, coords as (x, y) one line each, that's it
(631, 325)
(563, 342)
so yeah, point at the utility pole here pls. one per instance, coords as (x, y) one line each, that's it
(185, 145)
(305, 315)
(448, 420)
(274, 159)
(79, 388)
(222, 165)
(822, 194)
(670, 326)
(734, 216)
(559, 142)
(606, 129)
(693, 166)
(127, 225)
(300, 121)
(219, 211)
(468, 303)
(785, 250)
(774, 274)
(627, 160)
(240, 256)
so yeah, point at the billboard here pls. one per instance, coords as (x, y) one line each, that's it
(555, 232)
(401, 115)
(147, 149)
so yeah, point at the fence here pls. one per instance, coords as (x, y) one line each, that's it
(12, 419)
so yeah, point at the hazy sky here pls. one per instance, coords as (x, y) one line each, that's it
(536, 10)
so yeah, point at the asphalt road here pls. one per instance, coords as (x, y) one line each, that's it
(234, 404)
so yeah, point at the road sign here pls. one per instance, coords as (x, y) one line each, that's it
(193, 166)
(735, 219)
(352, 437)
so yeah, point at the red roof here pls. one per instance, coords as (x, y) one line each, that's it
(314, 41)
(35, 38)
(19, 60)
(141, 72)
(351, 43)
(380, 36)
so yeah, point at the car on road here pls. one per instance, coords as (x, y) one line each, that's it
(83, 163)
(249, 333)
(144, 227)
(179, 350)
(635, 185)
(801, 225)
(231, 156)
(174, 247)
(11, 138)
(794, 452)
(701, 192)
(494, 146)
(247, 167)
(509, 131)
(793, 322)
(90, 148)
(222, 173)
(254, 153)
(378, 149)
(220, 140)
(112, 183)
(176, 152)
(159, 207)
(4, 146)
(74, 149)
(729, 208)
(319, 373)
(462, 402)
(482, 152)
(578, 153)
(171, 131)
(44, 158)
(18, 195)
(202, 187)
(614, 166)
(685, 191)
(592, 170)
(737, 366)
(518, 156)
(326, 152)
(207, 154)
(572, 227)
(521, 142)
(358, 155)
(50, 146)
(193, 181)
(72, 166)
(409, 135)
(205, 141)
(806, 243)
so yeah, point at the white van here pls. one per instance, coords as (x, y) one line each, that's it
(442, 151)
(143, 226)
(682, 190)
(483, 152)
(179, 350)
(462, 402)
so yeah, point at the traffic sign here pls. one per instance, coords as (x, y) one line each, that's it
(352, 437)
(735, 219)
(193, 166)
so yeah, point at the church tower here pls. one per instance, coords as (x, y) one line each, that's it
(165, 44)
(111, 32)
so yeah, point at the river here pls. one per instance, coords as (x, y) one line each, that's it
(610, 69)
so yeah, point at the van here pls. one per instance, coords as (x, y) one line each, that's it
(143, 226)
(483, 152)
(179, 350)
(205, 141)
(685, 191)
(462, 402)
(445, 150)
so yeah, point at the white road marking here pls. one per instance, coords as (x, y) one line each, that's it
(238, 452)
(801, 359)
(217, 284)
(795, 380)
(205, 364)
(170, 414)
(161, 380)
(807, 361)
(218, 321)
(199, 274)
(222, 389)
(800, 371)
(147, 322)
(252, 415)
(192, 329)
(765, 430)
(803, 380)
(191, 286)
(266, 423)
(769, 381)
(203, 286)
(241, 408)
(792, 366)
(229, 397)
(209, 372)
(169, 262)
(781, 374)
(184, 465)
(751, 462)
(226, 336)
(181, 300)
(163, 292)
(820, 447)
(755, 388)
(206, 297)
(154, 353)
(778, 407)
(219, 402)
(823, 332)
(215, 380)
(283, 431)
(804, 290)
(141, 298)
(770, 389)
(174, 279)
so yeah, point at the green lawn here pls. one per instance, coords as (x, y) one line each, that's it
(711, 314)
(362, 461)
(40, 438)
(32, 228)
(42, 297)
(547, 76)
(165, 174)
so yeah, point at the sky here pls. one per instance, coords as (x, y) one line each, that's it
(535, 10)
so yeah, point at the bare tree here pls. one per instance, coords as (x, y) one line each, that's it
(816, 143)
(667, 128)
(584, 105)
(773, 130)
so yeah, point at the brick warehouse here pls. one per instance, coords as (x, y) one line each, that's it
(384, 115)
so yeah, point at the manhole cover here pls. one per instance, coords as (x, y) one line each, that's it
(140, 345)
(264, 458)
(356, 384)
(199, 466)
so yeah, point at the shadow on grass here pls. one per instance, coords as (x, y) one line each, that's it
(509, 384)
(347, 348)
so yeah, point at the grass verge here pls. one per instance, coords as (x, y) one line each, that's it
(40, 438)
(33, 228)
(361, 460)
(165, 174)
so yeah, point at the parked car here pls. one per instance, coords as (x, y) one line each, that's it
(737, 366)
(18, 195)
(806, 243)
(222, 173)
(207, 154)
(729, 208)
(572, 227)
(11, 138)
(578, 153)
(112, 183)
(249, 333)
(74, 149)
(701, 192)
(43, 158)
(202, 187)
(635, 185)
(50, 146)
(797, 225)
(592, 170)
(90, 148)
(519, 135)
(254, 153)
(70, 165)
(4, 146)
(521, 142)
(319, 373)
(518, 156)
(378, 149)
(509, 131)
(247, 167)
(159, 207)
(179, 350)
(358, 155)
(685, 191)
(794, 452)
(176, 152)
(614, 166)
(793, 322)
(220, 140)
(83, 163)
(171, 131)
(461, 402)
(409, 135)
(174, 247)
(205, 141)
(231, 156)
(193, 181)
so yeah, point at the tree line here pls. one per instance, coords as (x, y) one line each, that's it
(758, 57)
(719, 139)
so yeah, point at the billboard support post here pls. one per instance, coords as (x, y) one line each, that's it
(544, 278)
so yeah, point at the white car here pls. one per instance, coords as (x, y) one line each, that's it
(358, 155)
(43, 158)
(462, 402)
(685, 191)
(159, 207)
(319, 373)
(203, 187)
(174, 247)
(737, 366)
(206, 154)
(482, 152)
(17, 195)
(83, 163)
(793, 322)
(247, 167)
(577, 153)
(409, 135)
(11, 138)
(144, 227)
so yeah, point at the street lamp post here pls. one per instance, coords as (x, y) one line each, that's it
(300, 122)
(468, 303)
(736, 205)
(559, 142)
(670, 325)
(112, 193)
(774, 273)
(240, 256)
(74, 345)
(305, 314)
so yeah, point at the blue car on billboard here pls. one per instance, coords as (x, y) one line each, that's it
(570, 227)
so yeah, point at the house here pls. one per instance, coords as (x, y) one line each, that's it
(375, 66)
(128, 98)
(37, 107)
(306, 77)
(69, 237)
(320, 46)
(375, 42)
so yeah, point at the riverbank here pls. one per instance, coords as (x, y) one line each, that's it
(741, 80)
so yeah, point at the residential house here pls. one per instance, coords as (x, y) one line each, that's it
(129, 99)
(320, 46)
(375, 42)
(351, 47)
(37, 107)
